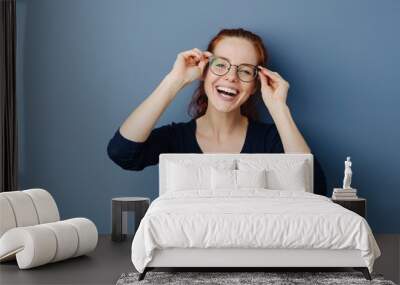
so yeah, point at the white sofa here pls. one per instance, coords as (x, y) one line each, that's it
(31, 231)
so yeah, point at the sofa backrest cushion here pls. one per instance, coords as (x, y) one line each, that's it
(26, 208)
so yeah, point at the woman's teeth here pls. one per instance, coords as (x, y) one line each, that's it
(225, 97)
(227, 91)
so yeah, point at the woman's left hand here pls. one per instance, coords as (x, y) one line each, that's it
(274, 89)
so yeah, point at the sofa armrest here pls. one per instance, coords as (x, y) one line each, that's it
(40, 244)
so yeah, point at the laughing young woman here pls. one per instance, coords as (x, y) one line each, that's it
(232, 73)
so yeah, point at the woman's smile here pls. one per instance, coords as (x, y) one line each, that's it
(226, 93)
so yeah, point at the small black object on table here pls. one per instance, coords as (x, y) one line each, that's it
(139, 205)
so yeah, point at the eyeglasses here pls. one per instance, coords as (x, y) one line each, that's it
(221, 66)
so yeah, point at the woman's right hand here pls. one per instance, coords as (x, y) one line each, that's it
(189, 65)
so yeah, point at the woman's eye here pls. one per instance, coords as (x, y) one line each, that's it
(246, 72)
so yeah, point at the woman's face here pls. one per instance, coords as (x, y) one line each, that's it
(237, 51)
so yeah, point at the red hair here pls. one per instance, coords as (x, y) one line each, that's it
(198, 104)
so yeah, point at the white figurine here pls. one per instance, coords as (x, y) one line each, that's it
(347, 174)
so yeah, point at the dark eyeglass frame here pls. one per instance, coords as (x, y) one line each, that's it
(213, 58)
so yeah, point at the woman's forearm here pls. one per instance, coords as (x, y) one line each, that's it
(292, 139)
(138, 126)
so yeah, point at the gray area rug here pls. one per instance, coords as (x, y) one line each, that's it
(229, 278)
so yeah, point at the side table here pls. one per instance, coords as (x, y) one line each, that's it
(358, 206)
(119, 205)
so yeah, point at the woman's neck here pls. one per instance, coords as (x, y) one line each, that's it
(220, 124)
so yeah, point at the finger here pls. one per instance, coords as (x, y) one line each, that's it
(191, 57)
(202, 64)
(274, 76)
(191, 53)
(272, 83)
(197, 50)
(269, 72)
(269, 77)
(205, 55)
(264, 81)
(187, 52)
(208, 54)
(199, 53)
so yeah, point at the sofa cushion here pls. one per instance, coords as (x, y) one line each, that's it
(26, 208)
(40, 244)
(7, 215)
(45, 206)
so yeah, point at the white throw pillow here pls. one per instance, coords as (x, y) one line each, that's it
(281, 174)
(188, 175)
(223, 179)
(293, 178)
(237, 179)
(251, 178)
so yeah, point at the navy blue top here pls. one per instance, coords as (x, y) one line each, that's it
(181, 138)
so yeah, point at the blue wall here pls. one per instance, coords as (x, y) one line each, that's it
(84, 65)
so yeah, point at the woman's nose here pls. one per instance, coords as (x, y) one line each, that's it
(232, 74)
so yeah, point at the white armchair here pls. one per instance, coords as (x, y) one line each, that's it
(31, 230)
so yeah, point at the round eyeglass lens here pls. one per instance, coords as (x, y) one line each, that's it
(220, 66)
(246, 73)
